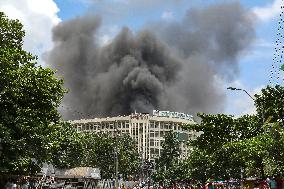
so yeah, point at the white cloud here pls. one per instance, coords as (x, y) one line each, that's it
(268, 12)
(167, 15)
(38, 18)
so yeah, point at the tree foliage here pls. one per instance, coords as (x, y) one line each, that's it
(168, 164)
(253, 143)
(270, 104)
(64, 146)
(100, 151)
(29, 97)
(129, 161)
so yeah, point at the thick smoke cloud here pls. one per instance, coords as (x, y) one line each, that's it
(176, 66)
(210, 41)
(217, 34)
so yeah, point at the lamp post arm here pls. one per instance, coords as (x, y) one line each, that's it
(262, 106)
(249, 95)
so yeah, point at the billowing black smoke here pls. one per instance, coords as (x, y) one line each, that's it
(176, 66)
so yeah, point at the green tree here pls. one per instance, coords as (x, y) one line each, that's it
(270, 104)
(29, 97)
(100, 149)
(102, 154)
(64, 146)
(88, 141)
(251, 142)
(262, 154)
(128, 156)
(167, 163)
(209, 156)
(170, 151)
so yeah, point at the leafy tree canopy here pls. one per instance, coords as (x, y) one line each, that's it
(253, 143)
(29, 97)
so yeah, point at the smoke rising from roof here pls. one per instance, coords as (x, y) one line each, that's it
(176, 66)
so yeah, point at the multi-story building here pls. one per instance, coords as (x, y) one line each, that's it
(147, 130)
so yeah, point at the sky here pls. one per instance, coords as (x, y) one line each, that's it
(253, 67)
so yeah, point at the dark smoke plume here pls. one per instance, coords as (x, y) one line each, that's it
(176, 66)
(210, 41)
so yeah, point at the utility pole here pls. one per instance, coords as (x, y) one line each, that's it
(237, 89)
(116, 157)
(262, 107)
(263, 121)
(141, 153)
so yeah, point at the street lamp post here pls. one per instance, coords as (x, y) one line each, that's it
(262, 109)
(238, 89)
(116, 156)
(1, 148)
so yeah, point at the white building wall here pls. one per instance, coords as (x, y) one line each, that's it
(148, 131)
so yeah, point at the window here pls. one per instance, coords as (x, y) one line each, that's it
(151, 142)
(156, 151)
(166, 126)
(156, 133)
(157, 143)
(166, 133)
(162, 125)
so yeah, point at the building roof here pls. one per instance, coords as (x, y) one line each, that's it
(78, 172)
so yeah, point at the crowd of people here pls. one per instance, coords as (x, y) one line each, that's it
(51, 182)
(31, 183)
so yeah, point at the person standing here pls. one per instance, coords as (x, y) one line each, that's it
(25, 185)
(9, 184)
(278, 182)
(272, 183)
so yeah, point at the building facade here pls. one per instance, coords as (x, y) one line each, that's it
(147, 130)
